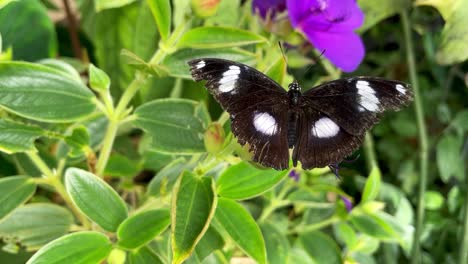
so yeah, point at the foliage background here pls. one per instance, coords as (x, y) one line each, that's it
(111, 169)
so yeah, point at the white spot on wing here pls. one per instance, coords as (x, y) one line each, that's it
(228, 82)
(400, 89)
(265, 123)
(367, 98)
(200, 64)
(325, 128)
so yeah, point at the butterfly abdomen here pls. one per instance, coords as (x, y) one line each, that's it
(292, 129)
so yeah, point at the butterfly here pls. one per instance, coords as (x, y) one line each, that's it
(322, 126)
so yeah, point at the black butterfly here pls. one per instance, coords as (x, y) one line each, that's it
(323, 125)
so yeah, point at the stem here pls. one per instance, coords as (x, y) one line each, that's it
(107, 146)
(423, 138)
(54, 180)
(75, 40)
(464, 244)
(40, 164)
(304, 229)
(370, 152)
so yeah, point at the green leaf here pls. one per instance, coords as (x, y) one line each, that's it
(320, 247)
(176, 63)
(78, 141)
(161, 10)
(376, 11)
(129, 27)
(77, 248)
(121, 166)
(34, 225)
(42, 93)
(143, 255)
(98, 79)
(4, 3)
(454, 40)
(345, 233)
(63, 67)
(175, 125)
(277, 71)
(218, 37)
(107, 4)
(16, 137)
(243, 181)
(372, 186)
(277, 245)
(449, 158)
(210, 242)
(373, 226)
(461, 120)
(164, 180)
(193, 206)
(141, 228)
(227, 14)
(14, 191)
(433, 200)
(29, 42)
(95, 198)
(241, 227)
(299, 255)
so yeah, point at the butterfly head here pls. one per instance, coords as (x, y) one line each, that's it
(294, 86)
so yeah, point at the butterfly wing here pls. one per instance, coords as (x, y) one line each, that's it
(258, 107)
(356, 103)
(322, 141)
(335, 116)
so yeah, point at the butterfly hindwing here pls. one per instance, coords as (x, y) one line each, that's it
(321, 141)
(356, 103)
(257, 105)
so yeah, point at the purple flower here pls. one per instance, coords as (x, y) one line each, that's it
(293, 174)
(268, 7)
(329, 25)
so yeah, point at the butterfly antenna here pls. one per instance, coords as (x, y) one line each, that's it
(335, 169)
(315, 61)
(282, 52)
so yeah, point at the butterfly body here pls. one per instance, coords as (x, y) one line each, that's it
(322, 125)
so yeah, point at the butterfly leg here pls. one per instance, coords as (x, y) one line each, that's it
(335, 169)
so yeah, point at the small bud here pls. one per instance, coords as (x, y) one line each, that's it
(98, 79)
(205, 8)
(214, 138)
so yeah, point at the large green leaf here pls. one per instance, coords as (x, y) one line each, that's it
(277, 245)
(375, 11)
(42, 93)
(141, 228)
(107, 4)
(241, 227)
(218, 37)
(161, 10)
(454, 40)
(34, 225)
(449, 157)
(373, 225)
(130, 27)
(14, 191)
(29, 42)
(78, 248)
(17, 137)
(194, 203)
(176, 63)
(143, 255)
(320, 247)
(243, 181)
(164, 180)
(175, 125)
(210, 242)
(95, 198)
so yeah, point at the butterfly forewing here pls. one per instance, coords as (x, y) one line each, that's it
(356, 103)
(257, 105)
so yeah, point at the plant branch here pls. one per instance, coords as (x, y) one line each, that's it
(370, 152)
(464, 244)
(75, 40)
(423, 138)
(41, 165)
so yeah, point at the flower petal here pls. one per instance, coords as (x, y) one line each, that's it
(299, 10)
(345, 49)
